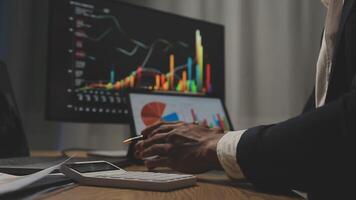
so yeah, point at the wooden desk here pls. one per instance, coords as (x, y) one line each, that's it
(212, 185)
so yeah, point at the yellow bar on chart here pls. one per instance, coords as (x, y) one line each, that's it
(197, 43)
(171, 71)
(201, 67)
(132, 81)
(158, 81)
(166, 86)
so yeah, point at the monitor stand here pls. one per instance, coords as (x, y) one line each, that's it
(101, 140)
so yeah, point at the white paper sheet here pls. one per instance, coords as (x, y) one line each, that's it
(10, 183)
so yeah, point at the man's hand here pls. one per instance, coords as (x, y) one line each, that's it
(184, 147)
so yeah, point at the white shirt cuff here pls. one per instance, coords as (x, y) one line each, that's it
(226, 151)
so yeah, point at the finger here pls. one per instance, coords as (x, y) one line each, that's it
(137, 154)
(139, 146)
(202, 124)
(165, 128)
(157, 149)
(177, 137)
(217, 130)
(159, 162)
(156, 139)
(149, 129)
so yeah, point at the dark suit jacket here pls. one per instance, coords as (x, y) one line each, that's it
(314, 151)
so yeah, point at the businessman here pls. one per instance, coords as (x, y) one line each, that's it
(313, 152)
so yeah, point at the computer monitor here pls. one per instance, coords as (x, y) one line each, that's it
(100, 49)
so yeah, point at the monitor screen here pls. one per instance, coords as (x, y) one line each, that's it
(148, 109)
(100, 49)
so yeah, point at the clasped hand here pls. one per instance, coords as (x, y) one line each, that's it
(185, 147)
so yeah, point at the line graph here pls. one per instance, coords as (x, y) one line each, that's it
(127, 52)
(161, 81)
(138, 44)
(100, 37)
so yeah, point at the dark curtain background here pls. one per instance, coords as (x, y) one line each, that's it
(23, 48)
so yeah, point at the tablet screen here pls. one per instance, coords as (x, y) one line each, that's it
(148, 109)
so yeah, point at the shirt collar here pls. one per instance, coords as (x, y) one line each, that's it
(326, 2)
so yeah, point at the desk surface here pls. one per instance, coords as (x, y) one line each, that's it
(211, 185)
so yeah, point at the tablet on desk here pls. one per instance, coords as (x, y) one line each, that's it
(149, 108)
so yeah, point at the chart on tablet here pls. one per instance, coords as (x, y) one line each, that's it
(155, 111)
(154, 108)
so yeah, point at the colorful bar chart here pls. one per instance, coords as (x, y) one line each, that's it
(154, 111)
(190, 77)
(218, 120)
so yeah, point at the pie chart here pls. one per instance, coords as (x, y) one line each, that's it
(154, 111)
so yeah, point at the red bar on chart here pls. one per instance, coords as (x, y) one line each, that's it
(208, 78)
(221, 122)
(194, 116)
(139, 74)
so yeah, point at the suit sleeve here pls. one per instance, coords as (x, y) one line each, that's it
(310, 151)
